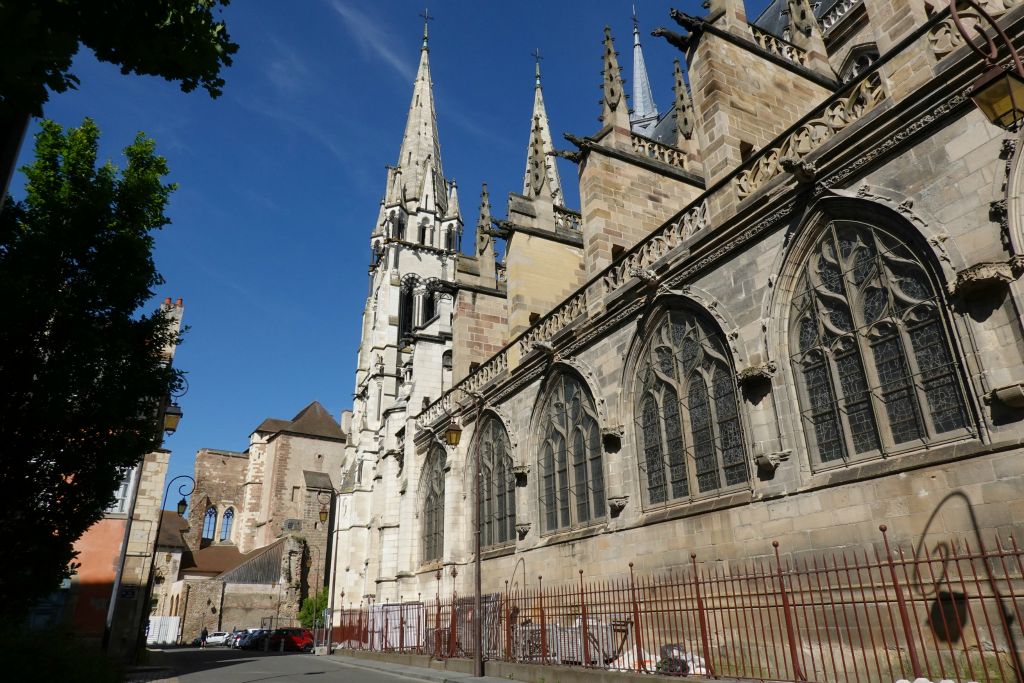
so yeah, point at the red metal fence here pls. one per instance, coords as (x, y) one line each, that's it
(878, 614)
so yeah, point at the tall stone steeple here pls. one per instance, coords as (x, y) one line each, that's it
(420, 155)
(539, 154)
(644, 116)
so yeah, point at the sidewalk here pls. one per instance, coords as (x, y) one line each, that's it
(417, 672)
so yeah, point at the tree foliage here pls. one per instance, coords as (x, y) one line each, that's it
(180, 40)
(313, 608)
(83, 370)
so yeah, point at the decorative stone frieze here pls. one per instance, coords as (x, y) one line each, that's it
(857, 101)
(944, 37)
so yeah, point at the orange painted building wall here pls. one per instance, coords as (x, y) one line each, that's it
(99, 550)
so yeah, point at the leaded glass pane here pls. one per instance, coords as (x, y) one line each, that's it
(674, 442)
(433, 505)
(703, 435)
(596, 468)
(734, 464)
(651, 431)
(897, 392)
(548, 469)
(875, 302)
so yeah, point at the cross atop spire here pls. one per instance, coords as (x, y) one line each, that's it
(536, 56)
(425, 14)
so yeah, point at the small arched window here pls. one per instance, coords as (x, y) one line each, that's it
(423, 233)
(432, 485)
(571, 467)
(406, 310)
(429, 306)
(210, 523)
(687, 413)
(498, 495)
(225, 524)
(870, 348)
(446, 360)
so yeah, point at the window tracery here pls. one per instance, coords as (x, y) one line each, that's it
(870, 348)
(433, 504)
(209, 523)
(571, 464)
(498, 494)
(688, 421)
(225, 524)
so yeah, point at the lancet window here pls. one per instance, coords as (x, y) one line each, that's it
(433, 504)
(571, 466)
(870, 348)
(498, 494)
(210, 523)
(225, 524)
(406, 311)
(687, 412)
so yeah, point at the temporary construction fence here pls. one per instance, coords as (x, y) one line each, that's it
(877, 614)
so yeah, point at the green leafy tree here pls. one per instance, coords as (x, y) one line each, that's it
(313, 608)
(180, 40)
(82, 367)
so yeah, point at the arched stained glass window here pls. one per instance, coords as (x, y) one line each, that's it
(571, 467)
(210, 523)
(498, 495)
(869, 345)
(225, 524)
(432, 485)
(406, 310)
(686, 412)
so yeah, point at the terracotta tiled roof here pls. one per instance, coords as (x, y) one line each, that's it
(212, 559)
(313, 420)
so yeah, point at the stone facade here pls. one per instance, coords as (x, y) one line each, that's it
(255, 544)
(802, 326)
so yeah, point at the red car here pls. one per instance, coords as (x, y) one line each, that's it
(295, 639)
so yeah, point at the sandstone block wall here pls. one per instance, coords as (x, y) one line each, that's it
(479, 330)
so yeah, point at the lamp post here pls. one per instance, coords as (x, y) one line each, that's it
(999, 92)
(324, 516)
(182, 506)
(452, 436)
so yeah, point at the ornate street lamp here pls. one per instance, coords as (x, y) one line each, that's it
(453, 433)
(172, 416)
(999, 93)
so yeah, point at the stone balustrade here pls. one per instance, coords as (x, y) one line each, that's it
(652, 149)
(563, 314)
(470, 385)
(944, 37)
(778, 46)
(568, 219)
(661, 241)
(857, 101)
(831, 19)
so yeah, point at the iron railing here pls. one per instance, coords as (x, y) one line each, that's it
(878, 613)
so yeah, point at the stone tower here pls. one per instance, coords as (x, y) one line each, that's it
(405, 351)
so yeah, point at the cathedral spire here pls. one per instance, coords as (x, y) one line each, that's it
(420, 155)
(644, 116)
(539, 153)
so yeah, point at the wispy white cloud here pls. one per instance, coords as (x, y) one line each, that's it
(286, 71)
(371, 39)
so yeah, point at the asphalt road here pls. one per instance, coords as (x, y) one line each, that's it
(224, 665)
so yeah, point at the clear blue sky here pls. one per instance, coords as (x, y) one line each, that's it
(280, 179)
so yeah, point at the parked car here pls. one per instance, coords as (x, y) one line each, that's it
(217, 638)
(295, 639)
(239, 635)
(252, 639)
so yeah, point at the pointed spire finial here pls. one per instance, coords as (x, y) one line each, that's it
(684, 107)
(537, 58)
(644, 116)
(426, 17)
(484, 221)
(612, 87)
(636, 22)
